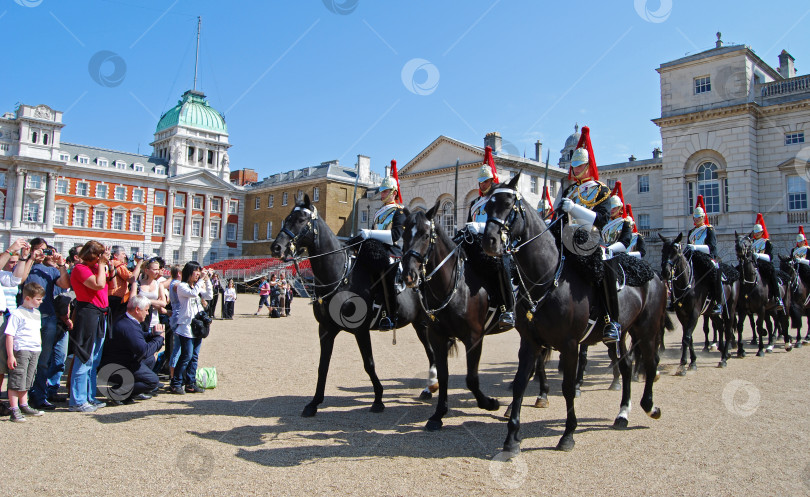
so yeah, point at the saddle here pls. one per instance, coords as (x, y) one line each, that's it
(374, 256)
(705, 266)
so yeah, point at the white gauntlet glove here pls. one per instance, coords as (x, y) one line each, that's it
(582, 214)
(617, 248)
(699, 248)
(476, 227)
(381, 235)
(764, 257)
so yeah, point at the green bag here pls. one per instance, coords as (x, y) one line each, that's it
(207, 377)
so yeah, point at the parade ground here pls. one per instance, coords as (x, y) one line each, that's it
(737, 431)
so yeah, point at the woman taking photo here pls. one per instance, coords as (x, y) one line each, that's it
(89, 281)
(228, 301)
(146, 284)
(194, 285)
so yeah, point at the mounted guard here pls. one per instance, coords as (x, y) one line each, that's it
(546, 207)
(702, 239)
(799, 252)
(763, 249)
(617, 234)
(637, 246)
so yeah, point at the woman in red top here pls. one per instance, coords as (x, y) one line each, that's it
(89, 281)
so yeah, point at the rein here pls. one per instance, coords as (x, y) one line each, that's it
(684, 291)
(459, 269)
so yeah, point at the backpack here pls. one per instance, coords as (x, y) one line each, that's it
(275, 313)
(207, 377)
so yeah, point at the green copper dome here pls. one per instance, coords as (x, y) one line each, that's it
(193, 111)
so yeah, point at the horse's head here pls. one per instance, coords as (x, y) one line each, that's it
(787, 265)
(297, 229)
(743, 247)
(670, 253)
(503, 220)
(418, 241)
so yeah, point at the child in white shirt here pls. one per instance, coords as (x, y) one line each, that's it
(23, 345)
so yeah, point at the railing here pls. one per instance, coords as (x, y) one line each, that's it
(649, 234)
(792, 85)
(797, 217)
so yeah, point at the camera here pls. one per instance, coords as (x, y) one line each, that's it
(47, 251)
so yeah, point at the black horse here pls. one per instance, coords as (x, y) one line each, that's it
(753, 298)
(555, 306)
(691, 294)
(453, 296)
(799, 294)
(346, 295)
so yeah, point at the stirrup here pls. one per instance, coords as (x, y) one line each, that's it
(611, 333)
(387, 323)
(506, 321)
(717, 309)
(780, 306)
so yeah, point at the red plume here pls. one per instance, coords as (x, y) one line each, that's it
(585, 140)
(488, 159)
(630, 213)
(395, 175)
(547, 196)
(617, 190)
(702, 205)
(801, 232)
(761, 222)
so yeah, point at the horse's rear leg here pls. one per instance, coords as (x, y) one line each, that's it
(740, 326)
(364, 343)
(566, 442)
(622, 363)
(686, 345)
(433, 380)
(439, 344)
(327, 344)
(706, 331)
(582, 362)
(650, 357)
(473, 382)
(758, 331)
(527, 356)
(727, 334)
(542, 379)
(754, 329)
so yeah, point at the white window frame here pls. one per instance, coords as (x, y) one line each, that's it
(196, 228)
(139, 226)
(27, 211)
(102, 162)
(702, 84)
(255, 231)
(284, 199)
(231, 232)
(257, 203)
(794, 137)
(214, 230)
(644, 221)
(62, 186)
(158, 221)
(270, 201)
(160, 170)
(316, 194)
(180, 200)
(115, 219)
(56, 210)
(643, 183)
(796, 193)
(33, 181)
(120, 164)
(76, 211)
(177, 221)
(103, 213)
(197, 202)
(138, 167)
(83, 159)
(162, 194)
(105, 187)
(143, 195)
(118, 189)
(216, 205)
(86, 186)
(233, 207)
(64, 157)
(269, 230)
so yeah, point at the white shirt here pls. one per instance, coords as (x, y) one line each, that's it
(25, 325)
(189, 299)
(230, 294)
(9, 284)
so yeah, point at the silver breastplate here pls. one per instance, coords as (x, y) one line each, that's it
(698, 235)
(633, 242)
(759, 245)
(612, 230)
(800, 252)
(477, 212)
(383, 220)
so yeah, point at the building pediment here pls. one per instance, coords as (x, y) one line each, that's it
(443, 152)
(203, 180)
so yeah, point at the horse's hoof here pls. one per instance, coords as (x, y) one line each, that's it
(309, 411)
(615, 386)
(541, 402)
(655, 413)
(713, 347)
(566, 443)
(433, 425)
(722, 364)
(705, 348)
(754, 341)
(769, 349)
(693, 366)
(508, 413)
(511, 449)
(489, 404)
(377, 407)
(657, 376)
(434, 387)
(620, 423)
(740, 354)
(577, 393)
(425, 395)
(681, 371)
(760, 353)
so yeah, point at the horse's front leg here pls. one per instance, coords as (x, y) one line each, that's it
(527, 357)
(566, 442)
(439, 343)
(542, 379)
(759, 331)
(740, 326)
(706, 330)
(433, 380)
(327, 344)
(581, 364)
(363, 338)
(623, 364)
(686, 342)
(474, 345)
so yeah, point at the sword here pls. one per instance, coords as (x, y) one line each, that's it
(545, 175)
(455, 200)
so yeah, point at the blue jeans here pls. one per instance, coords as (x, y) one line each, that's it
(83, 377)
(56, 366)
(98, 348)
(53, 342)
(175, 350)
(185, 373)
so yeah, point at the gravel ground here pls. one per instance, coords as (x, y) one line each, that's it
(736, 431)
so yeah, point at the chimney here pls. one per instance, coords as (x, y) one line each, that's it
(493, 140)
(656, 152)
(631, 158)
(719, 42)
(387, 171)
(786, 68)
(538, 151)
(364, 168)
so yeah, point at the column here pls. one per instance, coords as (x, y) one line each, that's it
(49, 201)
(189, 212)
(223, 223)
(169, 223)
(206, 236)
(16, 214)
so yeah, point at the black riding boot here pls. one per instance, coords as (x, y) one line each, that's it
(507, 319)
(718, 292)
(388, 319)
(773, 291)
(612, 331)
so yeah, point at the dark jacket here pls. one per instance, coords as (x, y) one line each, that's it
(128, 345)
(89, 323)
(711, 241)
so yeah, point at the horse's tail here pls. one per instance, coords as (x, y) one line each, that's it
(668, 324)
(452, 347)
(545, 354)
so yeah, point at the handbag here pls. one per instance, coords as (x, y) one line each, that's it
(200, 325)
(207, 378)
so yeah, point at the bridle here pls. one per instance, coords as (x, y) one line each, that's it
(668, 268)
(310, 226)
(505, 225)
(745, 254)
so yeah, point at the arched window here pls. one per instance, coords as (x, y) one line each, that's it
(708, 185)
(45, 138)
(447, 218)
(34, 137)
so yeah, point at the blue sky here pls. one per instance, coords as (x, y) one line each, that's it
(313, 80)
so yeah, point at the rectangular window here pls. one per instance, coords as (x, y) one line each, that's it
(175, 256)
(197, 202)
(534, 184)
(103, 162)
(120, 193)
(363, 217)
(210, 156)
(255, 231)
(643, 184)
(64, 157)
(316, 194)
(195, 254)
(138, 168)
(284, 198)
(118, 221)
(60, 216)
(214, 233)
(31, 214)
(725, 194)
(643, 221)
(233, 207)
(179, 200)
(34, 181)
(703, 84)
(120, 164)
(157, 225)
(177, 226)
(212, 256)
(160, 170)
(343, 195)
(101, 191)
(611, 183)
(793, 138)
(216, 204)
(62, 186)
(257, 203)
(160, 198)
(196, 228)
(137, 196)
(80, 217)
(269, 230)
(797, 193)
(136, 224)
(231, 233)
(99, 219)
(190, 155)
(690, 198)
(82, 189)
(269, 201)
(84, 160)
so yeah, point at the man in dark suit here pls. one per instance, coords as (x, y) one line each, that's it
(131, 350)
